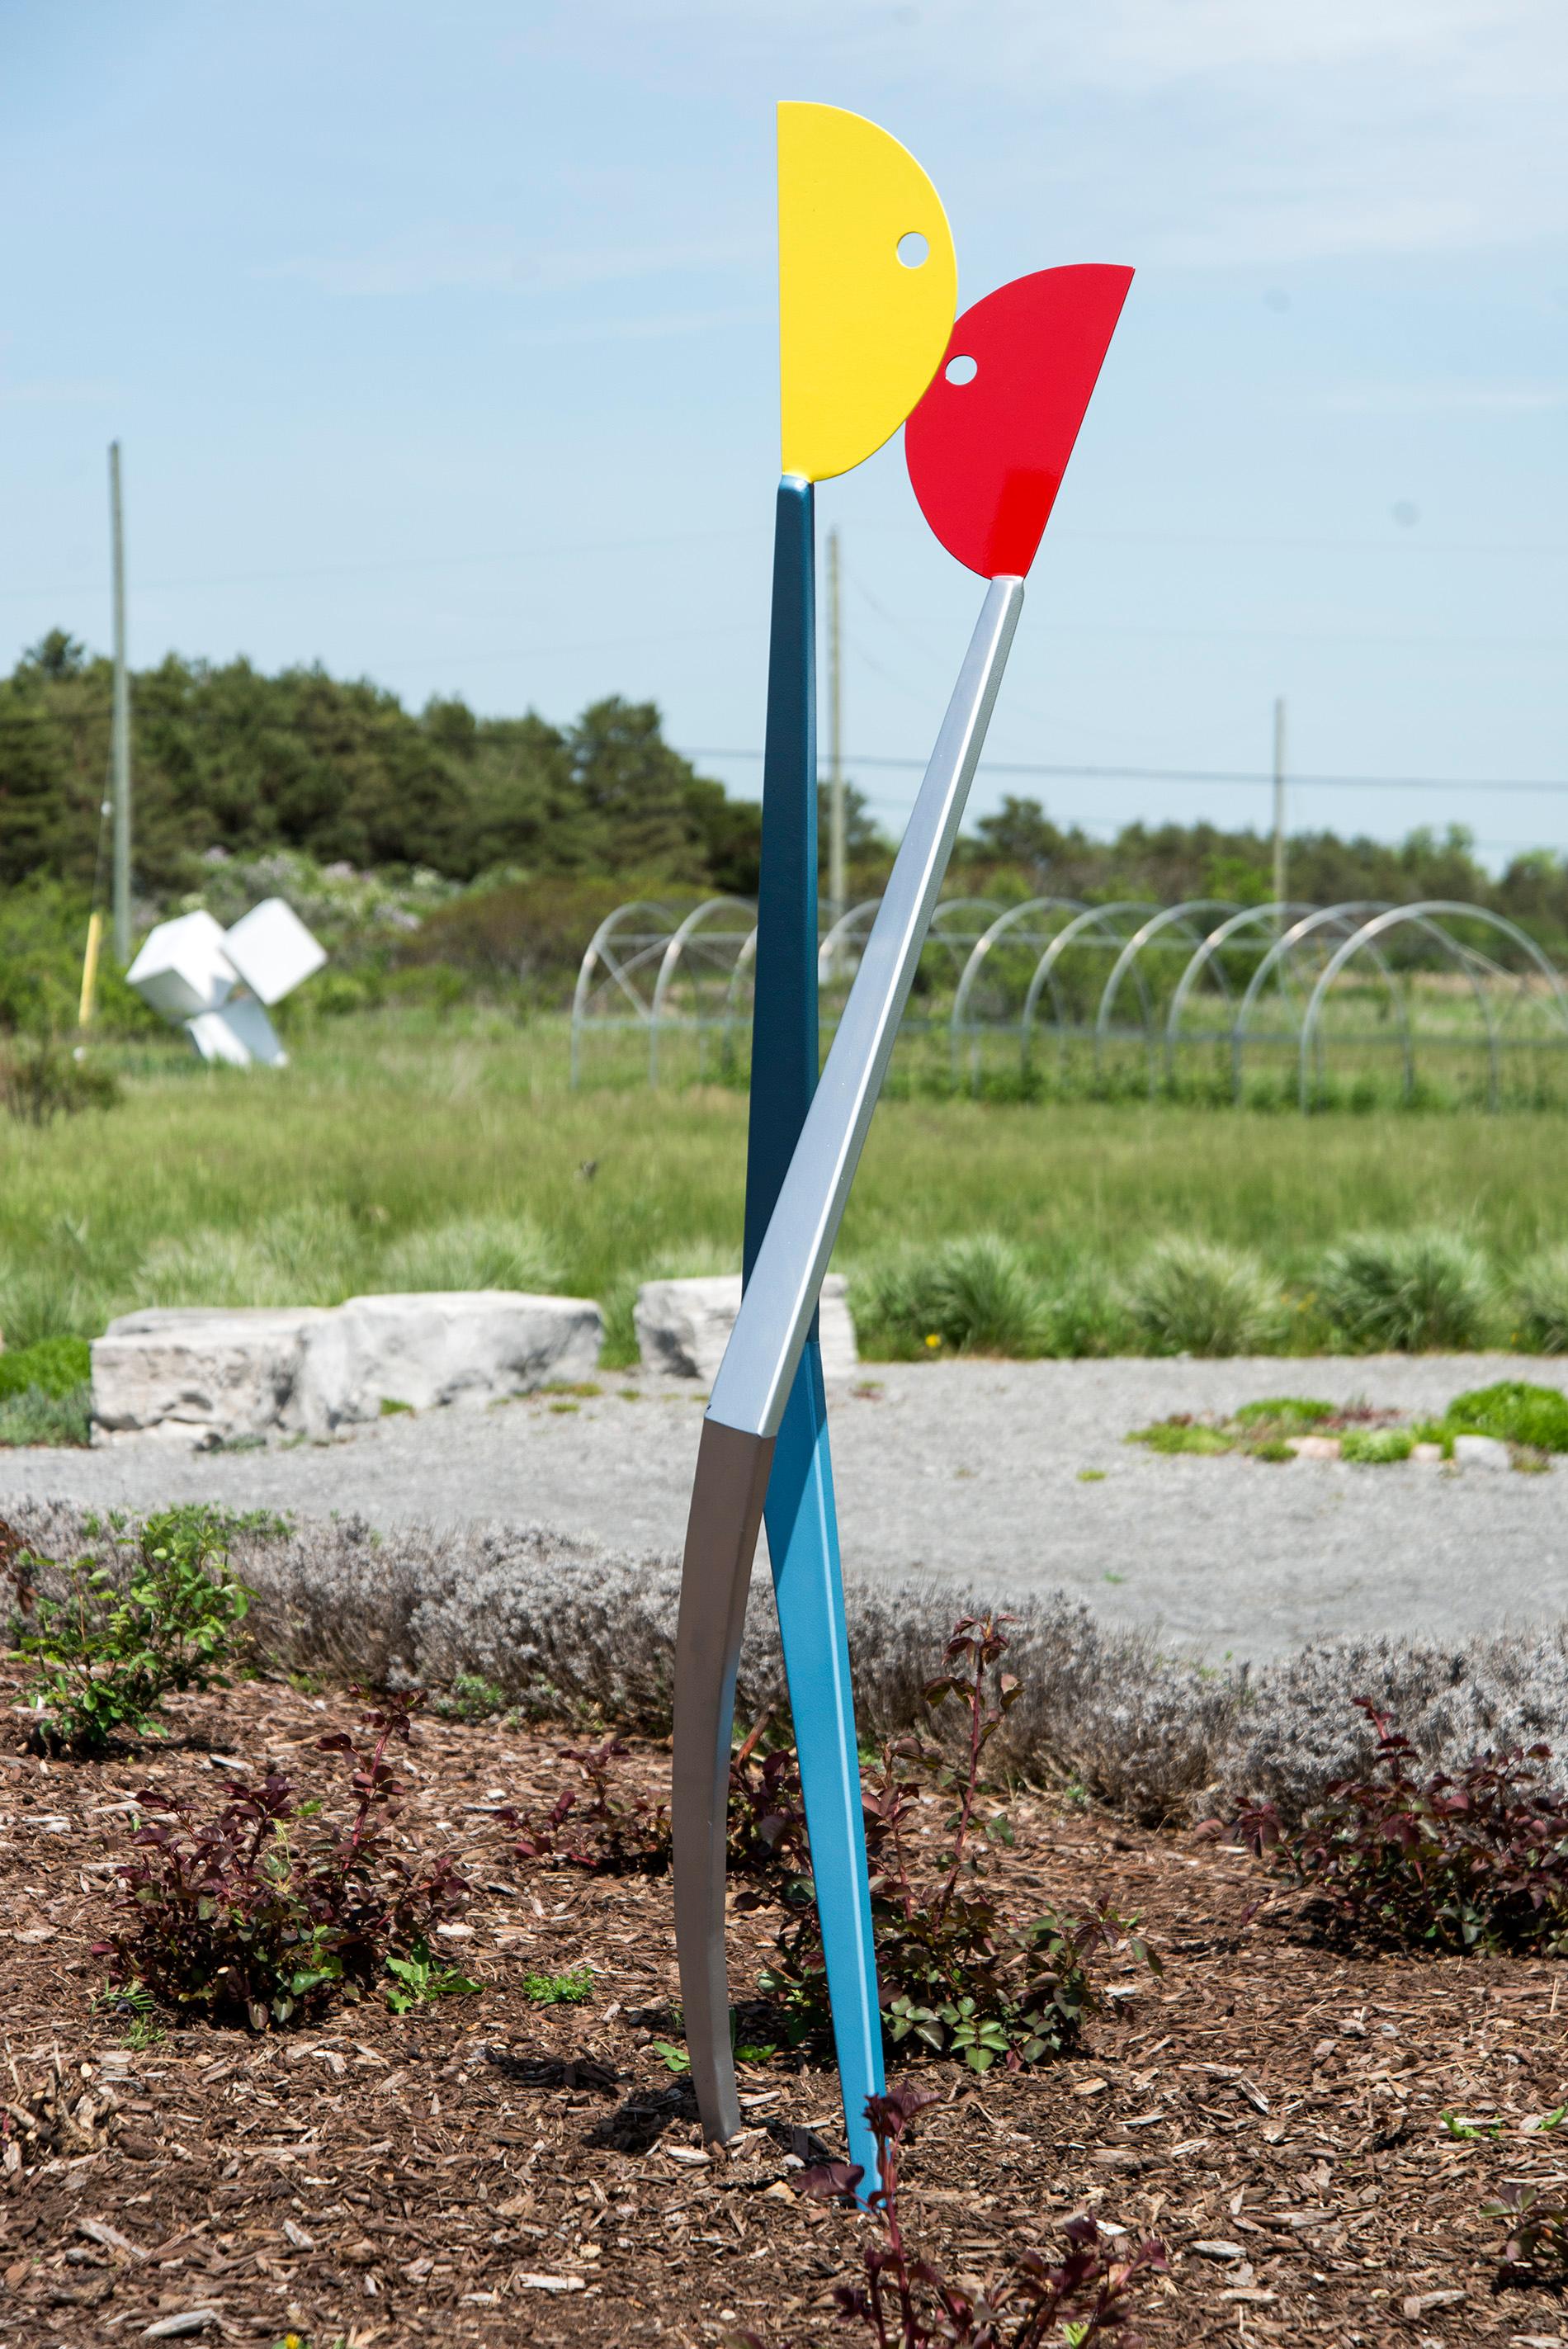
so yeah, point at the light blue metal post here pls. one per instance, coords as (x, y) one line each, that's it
(802, 1527)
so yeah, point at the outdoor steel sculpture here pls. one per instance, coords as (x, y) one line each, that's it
(219, 985)
(867, 292)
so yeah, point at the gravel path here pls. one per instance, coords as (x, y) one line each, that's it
(975, 1470)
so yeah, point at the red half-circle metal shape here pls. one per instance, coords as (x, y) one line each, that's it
(988, 443)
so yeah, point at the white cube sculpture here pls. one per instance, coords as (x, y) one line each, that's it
(273, 951)
(189, 969)
(183, 967)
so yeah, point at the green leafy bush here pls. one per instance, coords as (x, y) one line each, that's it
(975, 1295)
(1291, 1415)
(1196, 1297)
(52, 1366)
(110, 1649)
(41, 1079)
(1409, 1292)
(1540, 1300)
(262, 1911)
(1515, 1411)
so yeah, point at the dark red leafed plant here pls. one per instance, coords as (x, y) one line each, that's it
(956, 1978)
(611, 1828)
(1536, 2248)
(1472, 1860)
(610, 1831)
(905, 2301)
(265, 1909)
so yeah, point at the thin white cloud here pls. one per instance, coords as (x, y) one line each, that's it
(438, 258)
(637, 330)
(1448, 399)
(1222, 131)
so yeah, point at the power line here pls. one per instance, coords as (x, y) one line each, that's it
(1193, 775)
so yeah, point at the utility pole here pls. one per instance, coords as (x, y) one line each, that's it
(837, 885)
(1279, 853)
(121, 725)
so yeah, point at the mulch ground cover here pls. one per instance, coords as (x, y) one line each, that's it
(487, 2171)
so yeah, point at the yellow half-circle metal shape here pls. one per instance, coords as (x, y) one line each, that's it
(861, 332)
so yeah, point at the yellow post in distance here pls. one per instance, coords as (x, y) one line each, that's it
(861, 332)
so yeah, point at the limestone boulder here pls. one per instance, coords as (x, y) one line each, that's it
(197, 1378)
(461, 1346)
(683, 1326)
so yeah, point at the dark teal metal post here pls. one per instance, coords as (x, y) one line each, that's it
(802, 1527)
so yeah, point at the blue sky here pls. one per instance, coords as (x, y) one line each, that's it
(440, 343)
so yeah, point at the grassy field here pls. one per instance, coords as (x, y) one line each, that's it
(350, 1169)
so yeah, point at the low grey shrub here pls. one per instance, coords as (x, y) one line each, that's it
(34, 1415)
(975, 1295)
(1408, 1292)
(1196, 1296)
(564, 1629)
(1540, 1298)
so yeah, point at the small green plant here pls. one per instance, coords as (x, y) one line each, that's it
(1285, 1414)
(1377, 1447)
(1518, 1413)
(559, 1990)
(36, 1418)
(109, 1650)
(673, 2057)
(471, 1698)
(1194, 1296)
(1409, 1292)
(265, 1910)
(1182, 1432)
(418, 1979)
(1455, 2125)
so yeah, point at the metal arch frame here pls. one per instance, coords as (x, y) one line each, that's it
(1208, 948)
(1045, 969)
(671, 960)
(1348, 913)
(957, 1020)
(1127, 959)
(858, 917)
(615, 971)
(1423, 914)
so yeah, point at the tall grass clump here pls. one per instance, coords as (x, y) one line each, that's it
(298, 1257)
(1196, 1296)
(976, 1295)
(46, 1295)
(1540, 1293)
(1408, 1292)
(472, 1252)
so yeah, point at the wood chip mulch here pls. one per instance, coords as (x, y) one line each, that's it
(487, 2171)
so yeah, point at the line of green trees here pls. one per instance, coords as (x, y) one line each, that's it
(228, 758)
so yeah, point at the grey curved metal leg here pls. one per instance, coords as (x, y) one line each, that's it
(727, 1499)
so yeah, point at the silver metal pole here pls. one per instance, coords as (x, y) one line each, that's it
(1279, 849)
(735, 1451)
(121, 724)
(837, 885)
(769, 1332)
